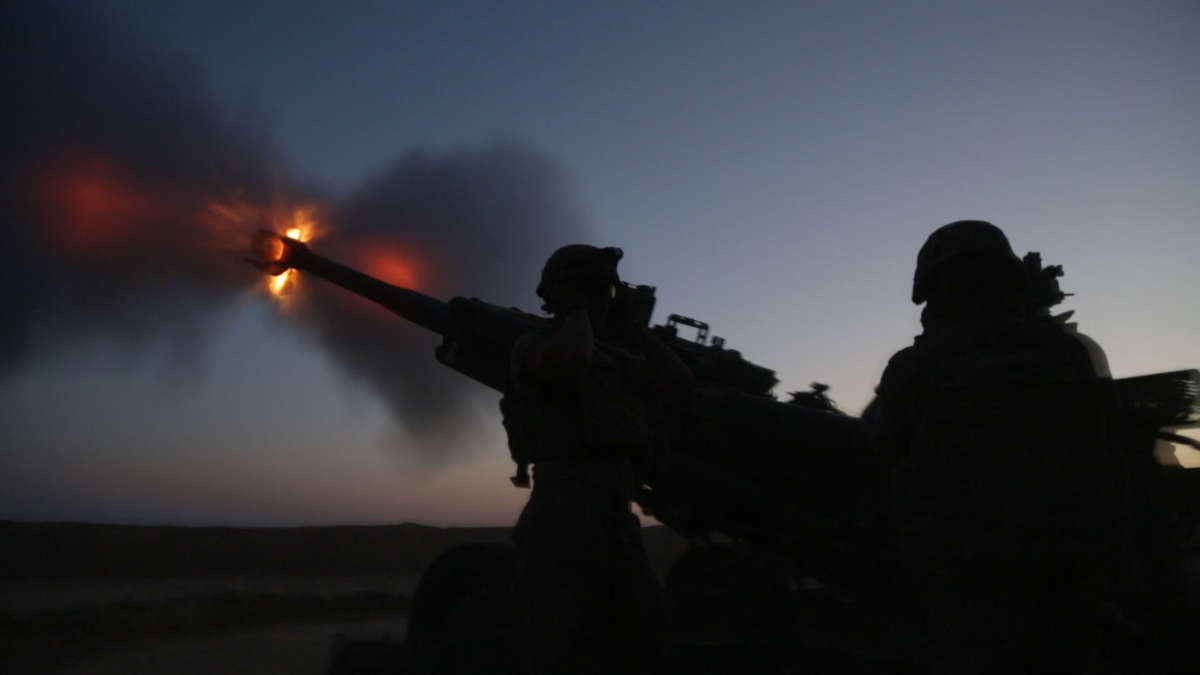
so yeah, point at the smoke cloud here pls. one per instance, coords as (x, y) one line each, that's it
(129, 198)
(113, 157)
(473, 221)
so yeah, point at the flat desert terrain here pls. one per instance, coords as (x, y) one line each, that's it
(290, 649)
(90, 599)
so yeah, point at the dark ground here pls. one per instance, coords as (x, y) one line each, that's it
(80, 550)
(77, 592)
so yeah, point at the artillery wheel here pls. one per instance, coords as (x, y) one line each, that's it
(462, 609)
(719, 593)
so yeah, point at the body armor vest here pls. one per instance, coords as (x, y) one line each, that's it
(603, 418)
(1010, 428)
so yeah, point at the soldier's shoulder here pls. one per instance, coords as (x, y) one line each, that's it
(903, 357)
(1075, 348)
(1091, 352)
(900, 367)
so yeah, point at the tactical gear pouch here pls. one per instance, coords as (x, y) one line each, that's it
(520, 448)
(604, 417)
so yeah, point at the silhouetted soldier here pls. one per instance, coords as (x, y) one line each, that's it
(587, 600)
(1004, 487)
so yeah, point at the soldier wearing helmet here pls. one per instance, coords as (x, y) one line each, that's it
(587, 600)
(995, 422)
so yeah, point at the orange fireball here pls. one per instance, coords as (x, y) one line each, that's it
(271, 249)
(390, 266)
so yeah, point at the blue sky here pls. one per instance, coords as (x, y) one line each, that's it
(771, 167)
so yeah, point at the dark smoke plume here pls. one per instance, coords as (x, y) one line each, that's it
(469, 221)
(113, 154)
(129, 199)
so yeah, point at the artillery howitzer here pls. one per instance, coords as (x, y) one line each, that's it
(739, 462)
(793, 484)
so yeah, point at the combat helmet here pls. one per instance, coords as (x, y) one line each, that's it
(579, 262)
(956, 239)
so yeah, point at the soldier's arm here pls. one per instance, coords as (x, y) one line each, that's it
(559, 359)
(890, 416)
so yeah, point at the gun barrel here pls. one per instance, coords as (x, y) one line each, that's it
(429, 313)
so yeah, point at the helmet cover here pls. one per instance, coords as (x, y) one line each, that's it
(953, 240)
(580, 262)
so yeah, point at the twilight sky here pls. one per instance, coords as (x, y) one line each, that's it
(771, 167)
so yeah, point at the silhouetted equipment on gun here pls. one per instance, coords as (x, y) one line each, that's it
(1162, 400)
(790, 481)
